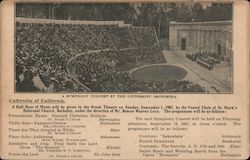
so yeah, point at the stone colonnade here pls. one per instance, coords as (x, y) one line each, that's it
(210, 37)
(208, 40)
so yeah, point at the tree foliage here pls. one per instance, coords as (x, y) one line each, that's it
(157, 15)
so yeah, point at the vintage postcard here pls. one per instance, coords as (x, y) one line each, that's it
(124, 80)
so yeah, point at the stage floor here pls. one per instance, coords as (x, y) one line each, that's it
(217, 80)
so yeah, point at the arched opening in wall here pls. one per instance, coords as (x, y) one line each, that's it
(183, 44)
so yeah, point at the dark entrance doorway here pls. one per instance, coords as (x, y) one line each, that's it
(219, 49)
(183, 44)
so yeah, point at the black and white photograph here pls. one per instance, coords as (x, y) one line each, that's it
(124, 48)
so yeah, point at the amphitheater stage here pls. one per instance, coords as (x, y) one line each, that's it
(158, 72)
(217, 80)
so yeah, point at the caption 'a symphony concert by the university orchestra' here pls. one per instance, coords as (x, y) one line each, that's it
(123, 47)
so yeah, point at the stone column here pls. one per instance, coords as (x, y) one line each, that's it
(202, 39)
(206, 39)
(198, 39)
(214, 41)
(227, 42)
(224, 44)
(191, 38)
(194, 34)
(209, 40)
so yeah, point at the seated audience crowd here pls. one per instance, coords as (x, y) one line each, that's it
(103, 72)
(43, 52)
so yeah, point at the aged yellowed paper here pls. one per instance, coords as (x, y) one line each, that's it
(124, 79)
